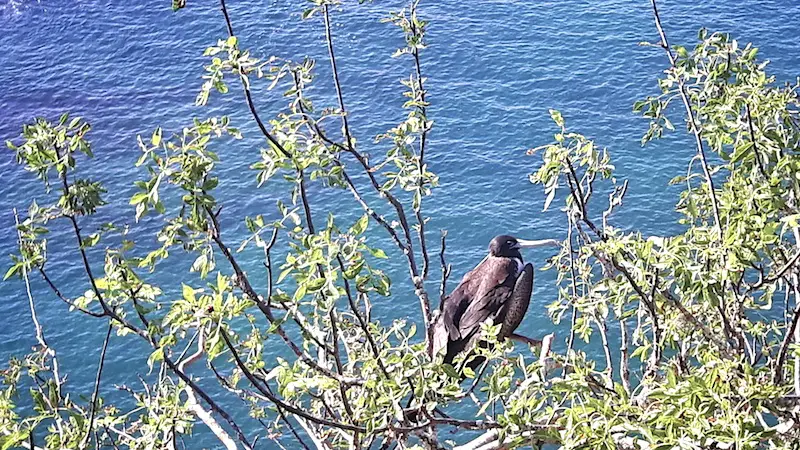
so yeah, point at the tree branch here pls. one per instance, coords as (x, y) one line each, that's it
(193, 405)
(777, 376)
(692, 123)
(361, 322)
(97, 387)
(244, 284)
(408, 248)
(624, 360)
(277, 401)
(445, 271)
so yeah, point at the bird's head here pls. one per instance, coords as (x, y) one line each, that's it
(504, 246)
(509, 246)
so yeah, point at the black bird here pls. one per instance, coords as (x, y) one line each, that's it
(499, 287)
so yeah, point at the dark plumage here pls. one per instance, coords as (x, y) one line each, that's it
(499, 287)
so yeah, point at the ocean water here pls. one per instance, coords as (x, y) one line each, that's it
(494, 68)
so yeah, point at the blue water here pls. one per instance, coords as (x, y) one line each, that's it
(494, 68)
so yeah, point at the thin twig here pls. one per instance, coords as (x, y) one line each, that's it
(601, 325)
(692, 123)
(244, 284)
(573, 283)
(64, 299)
(37, 326)
(422, 139)
(146, 336)
(277, 401)
(624, 361)
(361, 321)
(777, 375)
(335, 71)
(97, 386)
(247, 94)
(407, 248)
(778, 275)
(445, 271)
(107, 310)
(337, 358)
(753, 140)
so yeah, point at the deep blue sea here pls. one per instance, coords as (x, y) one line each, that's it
(494, 68)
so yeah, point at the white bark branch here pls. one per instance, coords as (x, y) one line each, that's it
(193, 405)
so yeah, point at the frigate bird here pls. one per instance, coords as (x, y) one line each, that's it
(498, 288)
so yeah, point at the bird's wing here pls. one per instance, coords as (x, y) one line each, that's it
(495, 288)
(516, 307)
(445, 328)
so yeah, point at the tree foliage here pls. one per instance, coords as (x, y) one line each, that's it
(707, 319)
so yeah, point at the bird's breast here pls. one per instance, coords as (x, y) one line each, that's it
(518, 265)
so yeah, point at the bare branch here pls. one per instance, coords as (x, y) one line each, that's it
(445, 271)
(692, 122)
(193, 405)
(624, 361)
(777, 375)
(64, 299)
(97, 387)
(335, 71)
(277, 401)
(37, 326)
(601, 325)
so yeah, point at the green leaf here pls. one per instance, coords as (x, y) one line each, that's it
(450, 371)
(741, 151)
(215, 345)
(157, 355)
(378, 253)
(12, 270)
(315, 284)
(188, 293)
(210, 184)
(284, 274)
(308, 13)
(14, 440)
(91, 240)
(360, 226)
(156, 139)
(353, 270)
(299, 293)
(557, 118)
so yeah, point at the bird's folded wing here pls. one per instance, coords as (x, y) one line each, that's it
(517, 305)
(494, 283)
(444, 329)
(483, 308)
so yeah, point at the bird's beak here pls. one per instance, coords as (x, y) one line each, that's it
(525, 243)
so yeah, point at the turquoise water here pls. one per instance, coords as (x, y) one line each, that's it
(494, 69)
